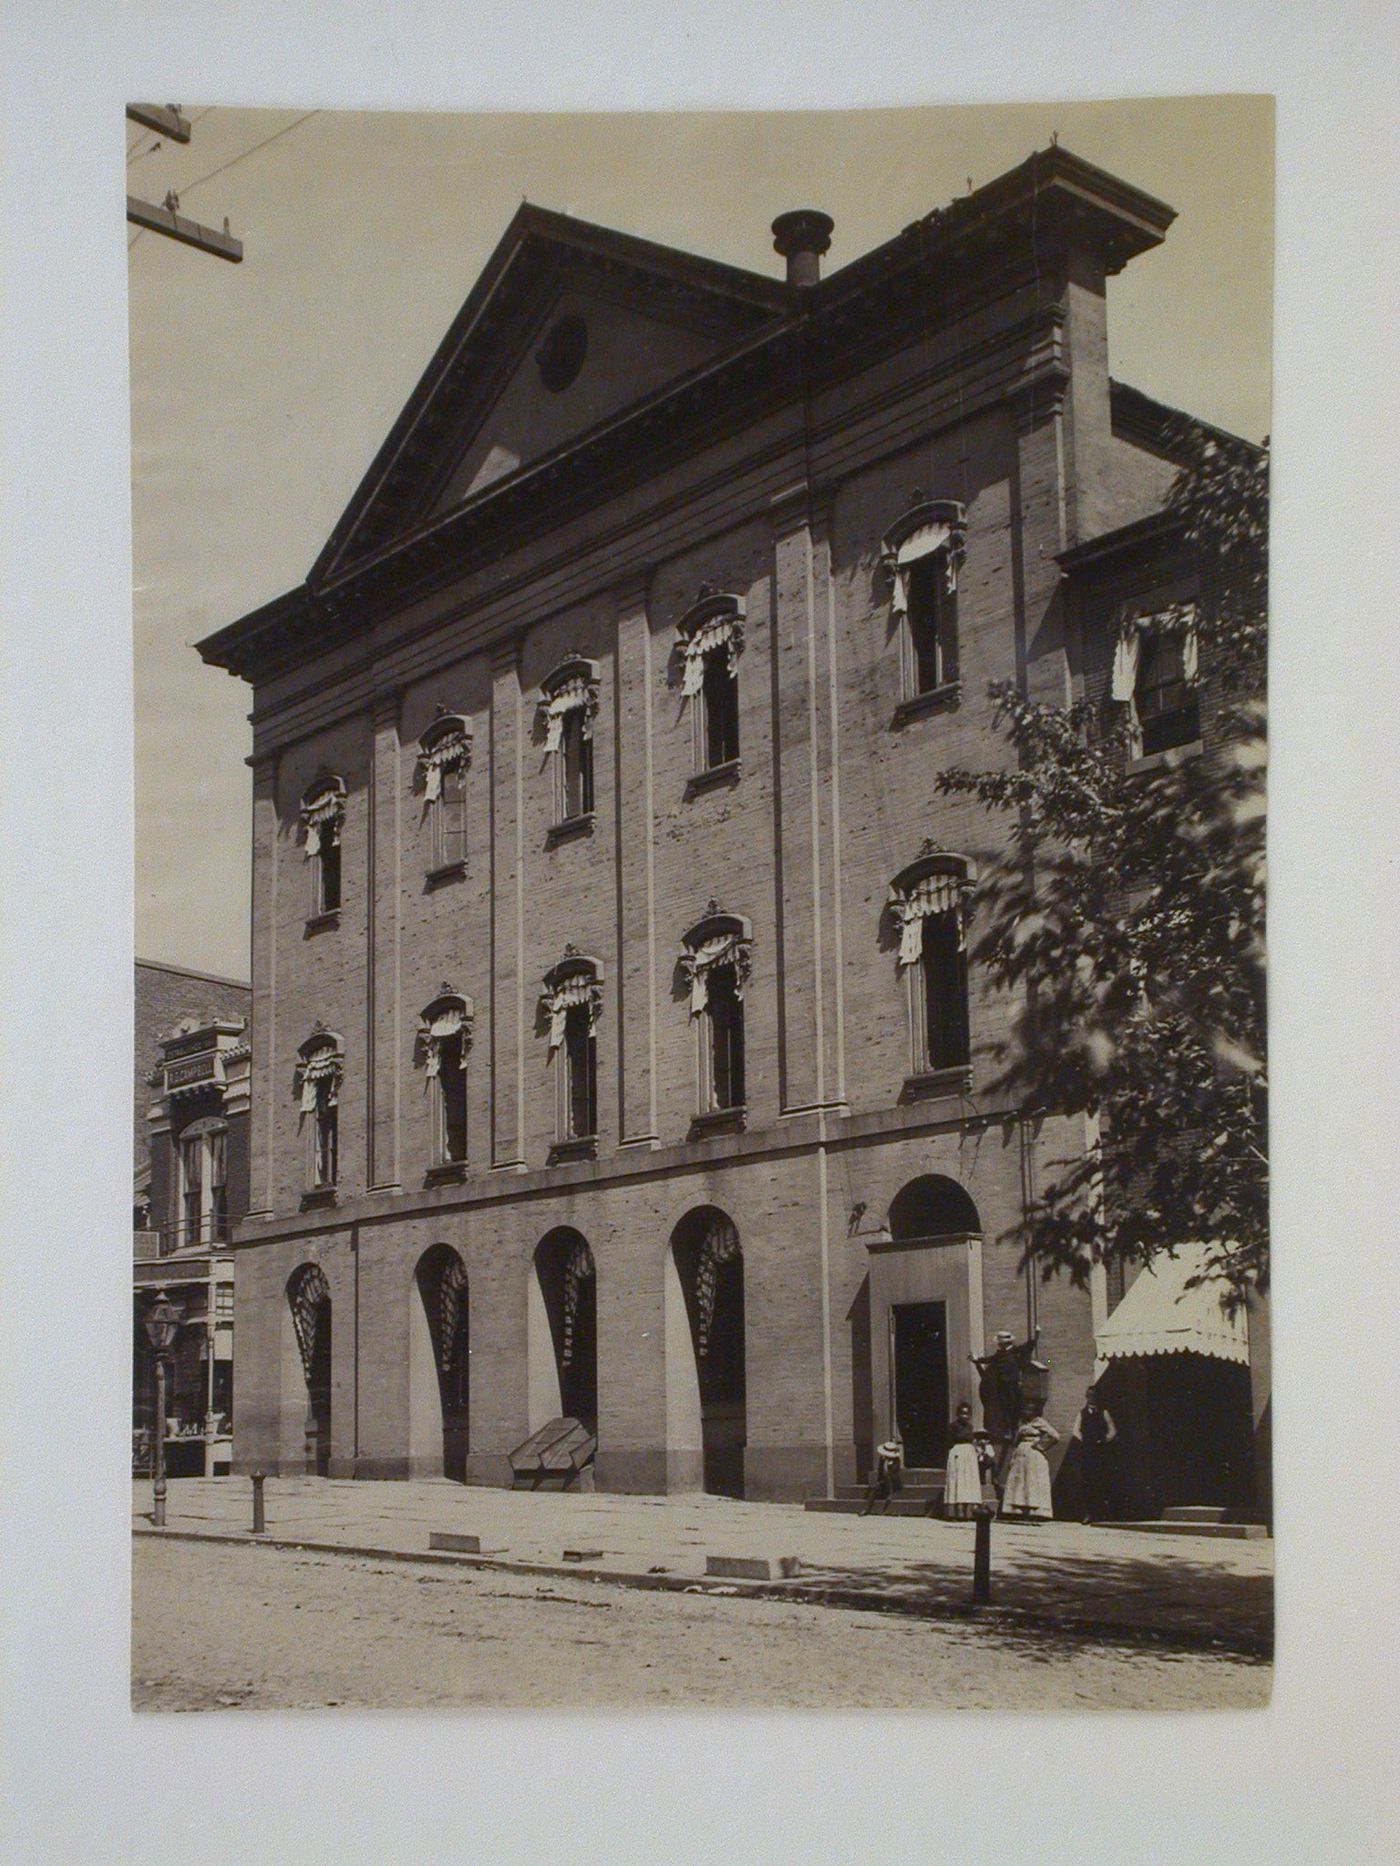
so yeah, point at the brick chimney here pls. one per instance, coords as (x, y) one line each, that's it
(802, 236)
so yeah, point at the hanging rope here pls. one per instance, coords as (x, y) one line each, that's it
(310, 1299)
(577, 1271)
(720, 1246)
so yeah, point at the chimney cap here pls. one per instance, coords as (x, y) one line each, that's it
(802, 230)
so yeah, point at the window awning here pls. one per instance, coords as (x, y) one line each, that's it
(1160, 1315)
(716, 631)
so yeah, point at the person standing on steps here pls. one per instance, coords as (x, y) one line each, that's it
(1002, 1388)
(962, 1483)
(1095, 1430)
(887, 1479)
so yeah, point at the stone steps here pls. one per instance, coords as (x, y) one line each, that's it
(1185, 1526)
(902, 1505)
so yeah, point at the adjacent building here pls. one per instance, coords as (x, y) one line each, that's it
(616, 1057)
(190, 1190)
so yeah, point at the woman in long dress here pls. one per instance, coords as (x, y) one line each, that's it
(1026, 1497)
(962, 1482)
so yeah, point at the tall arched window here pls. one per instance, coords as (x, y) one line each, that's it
(203, 1182)
(444, 758)
(717, 960)
(928, 901)
(572, 1001)
(322, 818)
(445, 1037)
(922, 553)
(568, 708)
(710, 640)
(319, 1074)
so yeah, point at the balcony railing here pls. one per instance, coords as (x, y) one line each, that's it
(189, 1233)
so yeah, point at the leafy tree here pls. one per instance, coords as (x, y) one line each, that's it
(1127, 916)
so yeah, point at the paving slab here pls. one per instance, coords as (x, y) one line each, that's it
(1139, 1583)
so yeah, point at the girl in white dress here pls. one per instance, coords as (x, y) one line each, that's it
(1026, 1497)
(962, 1483)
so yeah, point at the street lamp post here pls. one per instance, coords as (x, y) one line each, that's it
(162, 1325)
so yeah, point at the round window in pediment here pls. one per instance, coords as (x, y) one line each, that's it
(561, 355)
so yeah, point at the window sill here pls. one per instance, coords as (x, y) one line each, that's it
(322, 923)
(944, 699)
(1171, 755)
(317, 1196)
(571, 827)
(446, 1173)
(581, 1147)
(718, 1121)
(445, 872)
(716, 777)
(930, 1084)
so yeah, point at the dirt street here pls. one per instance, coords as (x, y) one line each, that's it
(220, 1628)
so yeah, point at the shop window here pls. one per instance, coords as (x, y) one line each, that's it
(202, 1171)
(323, 818)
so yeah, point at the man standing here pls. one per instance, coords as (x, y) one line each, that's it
(1002, 1388)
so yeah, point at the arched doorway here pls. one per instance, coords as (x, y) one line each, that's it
(925, 1315)
(439, 1365)
(309, 1306)
(562, 1331)
(705, 1376)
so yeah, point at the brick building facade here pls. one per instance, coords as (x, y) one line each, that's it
(615, 1054)
(191, 1191)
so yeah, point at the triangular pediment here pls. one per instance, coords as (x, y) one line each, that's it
(569, 325)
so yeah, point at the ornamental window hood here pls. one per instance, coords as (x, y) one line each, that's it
(571, 688)
(321, 1069)
(935, 884)
(718, 939)
(323, 813)
(1179, 621)
(449, 1015)
(713, 624)
(445, 746)
(929, 527)
(575, 983)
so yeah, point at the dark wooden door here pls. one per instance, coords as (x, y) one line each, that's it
(921, 1381)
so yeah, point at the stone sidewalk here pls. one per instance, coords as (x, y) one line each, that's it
(1062, 1577)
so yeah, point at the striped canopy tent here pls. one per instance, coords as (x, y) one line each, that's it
(1167, 1311)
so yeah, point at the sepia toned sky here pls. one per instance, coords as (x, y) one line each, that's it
(260, 392)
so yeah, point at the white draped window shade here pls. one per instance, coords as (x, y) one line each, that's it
(452, 751)
(938, 893)
(1127, 652)
(577, 694)
(717, 633)
(323, 1067)
(899, 557)
(322, 816)
(447, 1021)
(577, 1270)
(578, 989)
(719, 1246)
(309, 1298)
(697, 962)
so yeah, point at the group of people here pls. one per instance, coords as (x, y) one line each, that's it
(1006, 1461)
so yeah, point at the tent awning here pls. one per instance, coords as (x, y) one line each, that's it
(1160, 1315)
